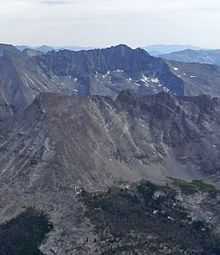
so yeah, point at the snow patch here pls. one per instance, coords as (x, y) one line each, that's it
(106, 75)
(165, 89)
(145, 78)
(155, 80)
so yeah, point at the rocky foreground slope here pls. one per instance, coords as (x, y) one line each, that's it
(75, 167)
(142, 218)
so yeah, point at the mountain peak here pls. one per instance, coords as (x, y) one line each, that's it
(4, 45)
(121, 46)
(121, 49)
(125, 48)
(7, 48)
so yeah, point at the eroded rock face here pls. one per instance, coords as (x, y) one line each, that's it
(106, 72)
(89, 141)
(63, 147)
(75, 158)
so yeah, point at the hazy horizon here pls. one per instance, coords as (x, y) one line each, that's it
(101, 23)
(90, 46)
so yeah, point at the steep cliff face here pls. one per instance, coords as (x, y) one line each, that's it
(23, 75)
(21, 80)
(96, 140)
(105, 72)
(115, 68)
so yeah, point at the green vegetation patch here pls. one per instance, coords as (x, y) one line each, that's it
(194, 186)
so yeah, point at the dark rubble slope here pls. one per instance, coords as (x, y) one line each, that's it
(150, 219)
(130, 219)
(24, 234)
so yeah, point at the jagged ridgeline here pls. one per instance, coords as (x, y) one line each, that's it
(106, 72)
(23, 75)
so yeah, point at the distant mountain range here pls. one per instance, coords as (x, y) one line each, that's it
(181, 53)
(45, 48)
(154, 50)
(160, 49)
(195, 56)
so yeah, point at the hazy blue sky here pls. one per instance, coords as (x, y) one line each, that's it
(106, 22)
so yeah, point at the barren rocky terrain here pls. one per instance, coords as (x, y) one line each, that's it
(93, 160)
(62, 150)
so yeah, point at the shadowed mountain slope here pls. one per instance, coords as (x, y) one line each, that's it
(104, 72)
(199, 79)
(63, 153)
(23, 75)
(93, 141)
